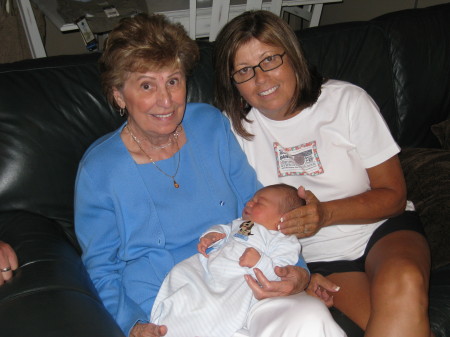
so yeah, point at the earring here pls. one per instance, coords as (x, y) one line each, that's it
(244, 104)
(122, 112)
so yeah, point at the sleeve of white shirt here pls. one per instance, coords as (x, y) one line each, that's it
(369, 132)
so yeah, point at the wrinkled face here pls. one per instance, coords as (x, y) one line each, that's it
(155, 100)
(263, 208)
(270, 92)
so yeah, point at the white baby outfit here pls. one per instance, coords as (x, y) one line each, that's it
(209, 296)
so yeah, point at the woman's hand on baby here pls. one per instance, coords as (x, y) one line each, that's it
(207, 240)
(306, 220)
(148, 330)
(249, 257)
(321, 287)
(293, 281)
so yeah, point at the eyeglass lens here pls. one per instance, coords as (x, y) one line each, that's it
(269, 63)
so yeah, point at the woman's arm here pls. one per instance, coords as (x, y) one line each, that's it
(98, 235)
(386, 198)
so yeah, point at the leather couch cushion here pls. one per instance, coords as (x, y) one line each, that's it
(51, 290)
(420, 53)
(58, 314)
(50, 112)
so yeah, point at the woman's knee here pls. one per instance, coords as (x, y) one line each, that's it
(402, 279)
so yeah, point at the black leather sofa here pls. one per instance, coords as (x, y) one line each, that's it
(51, 109)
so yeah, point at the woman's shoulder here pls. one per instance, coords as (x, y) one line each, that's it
(201, 111)
(104, 150)
(203, 115)
(343, 87)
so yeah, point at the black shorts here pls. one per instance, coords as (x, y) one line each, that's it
(409, 220)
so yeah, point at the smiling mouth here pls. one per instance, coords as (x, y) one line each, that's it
(165, 115)
(268, 92)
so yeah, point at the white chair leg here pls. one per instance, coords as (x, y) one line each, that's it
(316, 13)
(310, 13)
(276, 7)
(219, 17)
(31, 29)
(192, 18)
(254, 4)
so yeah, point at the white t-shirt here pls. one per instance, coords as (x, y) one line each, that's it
(326, 148)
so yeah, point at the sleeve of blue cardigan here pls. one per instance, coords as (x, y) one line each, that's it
(99, 240)
(302, 263)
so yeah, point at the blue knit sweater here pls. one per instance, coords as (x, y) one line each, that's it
(134, 226)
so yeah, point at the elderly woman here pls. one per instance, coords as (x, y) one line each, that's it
(328, 136)
(145, 192)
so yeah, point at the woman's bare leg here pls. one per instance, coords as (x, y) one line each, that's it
(398, 268)
(353, 298)
(391, 298)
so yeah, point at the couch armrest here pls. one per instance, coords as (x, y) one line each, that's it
(51, 293)
(428, 183)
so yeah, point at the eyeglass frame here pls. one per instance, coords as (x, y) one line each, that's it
(258, 66)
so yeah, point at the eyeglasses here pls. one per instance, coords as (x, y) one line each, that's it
(247, 73)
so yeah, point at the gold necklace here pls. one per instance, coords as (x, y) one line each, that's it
(138, 142)
(173, 137)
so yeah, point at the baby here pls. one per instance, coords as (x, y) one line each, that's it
(207, 295)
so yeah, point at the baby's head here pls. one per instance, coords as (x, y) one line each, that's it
(270, 203)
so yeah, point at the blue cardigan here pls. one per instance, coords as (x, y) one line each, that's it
(134, 226)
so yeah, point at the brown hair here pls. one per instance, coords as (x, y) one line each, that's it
(144, 43)
(270, 29)
(290, 200)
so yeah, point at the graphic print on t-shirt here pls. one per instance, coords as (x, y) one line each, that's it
(298, 160)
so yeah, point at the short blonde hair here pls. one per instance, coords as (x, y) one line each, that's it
(143, 43)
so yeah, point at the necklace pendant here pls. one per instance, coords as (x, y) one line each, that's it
(175, 184)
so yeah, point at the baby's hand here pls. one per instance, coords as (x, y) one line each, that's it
(249, 258)
(207, 240)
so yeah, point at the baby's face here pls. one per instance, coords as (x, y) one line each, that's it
(263, 208)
